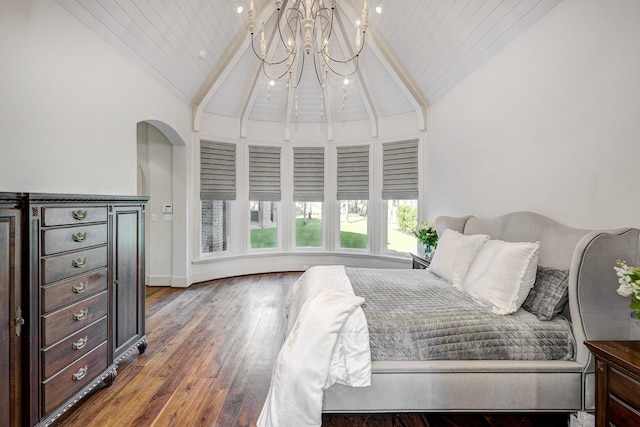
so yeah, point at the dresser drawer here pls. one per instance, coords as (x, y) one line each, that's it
(68, 320)
(621, 414)
(77, 345)
(75, 376)
(63, 266)
(72, 290)
(73, 238)
(73, 215)
(624, 387)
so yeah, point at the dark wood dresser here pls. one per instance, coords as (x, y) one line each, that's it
(12, 336)
(78, 282)
(617, 368)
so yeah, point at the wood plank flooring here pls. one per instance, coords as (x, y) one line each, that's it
(208, 363)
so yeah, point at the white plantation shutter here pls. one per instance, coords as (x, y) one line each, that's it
(264, 173)
(217, 171)
(308, 174)
(400, 170)
(353, 173)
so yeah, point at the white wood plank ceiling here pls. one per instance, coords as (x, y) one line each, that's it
(415, 52)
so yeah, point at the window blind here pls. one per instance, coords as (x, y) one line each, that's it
(217, 171)
(264, 173)
(308, 174)
(353, 173)
(400, 170)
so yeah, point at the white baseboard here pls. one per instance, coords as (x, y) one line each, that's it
(164, 280)
(156, 280)
(179, 282)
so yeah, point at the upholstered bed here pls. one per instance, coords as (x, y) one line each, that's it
(595, 311)
(517, 361)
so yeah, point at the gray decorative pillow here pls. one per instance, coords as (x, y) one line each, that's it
(550, 293)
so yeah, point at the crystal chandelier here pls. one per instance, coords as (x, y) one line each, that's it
(305, 30)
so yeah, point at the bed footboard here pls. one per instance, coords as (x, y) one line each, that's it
(463, 386)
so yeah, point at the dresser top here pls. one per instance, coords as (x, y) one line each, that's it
(54, 197)
(625, 353)
(9, 197)
(17, 199)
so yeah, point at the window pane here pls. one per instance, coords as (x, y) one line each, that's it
(264, 224)
(402, 218)
(215, 225)
(308, 224)
(353, 224)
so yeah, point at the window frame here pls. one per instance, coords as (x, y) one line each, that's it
(239, 239)
(385, 229)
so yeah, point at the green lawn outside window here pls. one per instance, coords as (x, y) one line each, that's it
(353, 235)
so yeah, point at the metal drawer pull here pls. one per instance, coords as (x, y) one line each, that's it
(79, 262)
(19, 321)
(81, 314)
(79, 288)
(79, 237)
(80, 343)
(82, 372)
(79, 215)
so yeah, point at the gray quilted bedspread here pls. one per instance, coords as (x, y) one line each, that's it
(415, 315)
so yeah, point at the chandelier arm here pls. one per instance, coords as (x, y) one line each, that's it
(292, 29)
(264, 61)
(318, 73)
(345, 60)
(269, 76)
(329, 20)
(355, 69)
(296, 47)
(301, 68)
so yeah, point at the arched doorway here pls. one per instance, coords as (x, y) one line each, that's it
(162, 173)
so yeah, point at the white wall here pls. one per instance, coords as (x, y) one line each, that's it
(69, 105)
(550, 124)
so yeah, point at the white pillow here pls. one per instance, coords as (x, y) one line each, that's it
(454, 255)
(502, 274)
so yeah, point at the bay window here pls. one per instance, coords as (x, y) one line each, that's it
(400, 192)
(308, 195)
(353, 195)
(264, 195)
(217, 190)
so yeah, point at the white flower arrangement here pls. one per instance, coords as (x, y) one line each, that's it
(629, 280)
(426, 233)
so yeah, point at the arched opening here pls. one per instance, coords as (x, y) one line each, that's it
(162, 174)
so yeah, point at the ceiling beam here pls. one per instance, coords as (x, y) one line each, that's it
(325, 91)
(216, 78)
(393, 66)
(291, 92)
(361, 84)
(328, 111)
(253, 94)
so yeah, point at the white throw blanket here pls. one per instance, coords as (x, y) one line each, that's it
(327, 342)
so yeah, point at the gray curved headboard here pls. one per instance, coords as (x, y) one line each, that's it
(597, 312)
(559, 241)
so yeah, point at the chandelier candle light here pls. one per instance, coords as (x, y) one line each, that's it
(306, 31)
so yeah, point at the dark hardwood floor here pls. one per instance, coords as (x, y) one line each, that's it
(211, 349)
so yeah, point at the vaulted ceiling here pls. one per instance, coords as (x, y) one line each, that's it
(415, 52)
